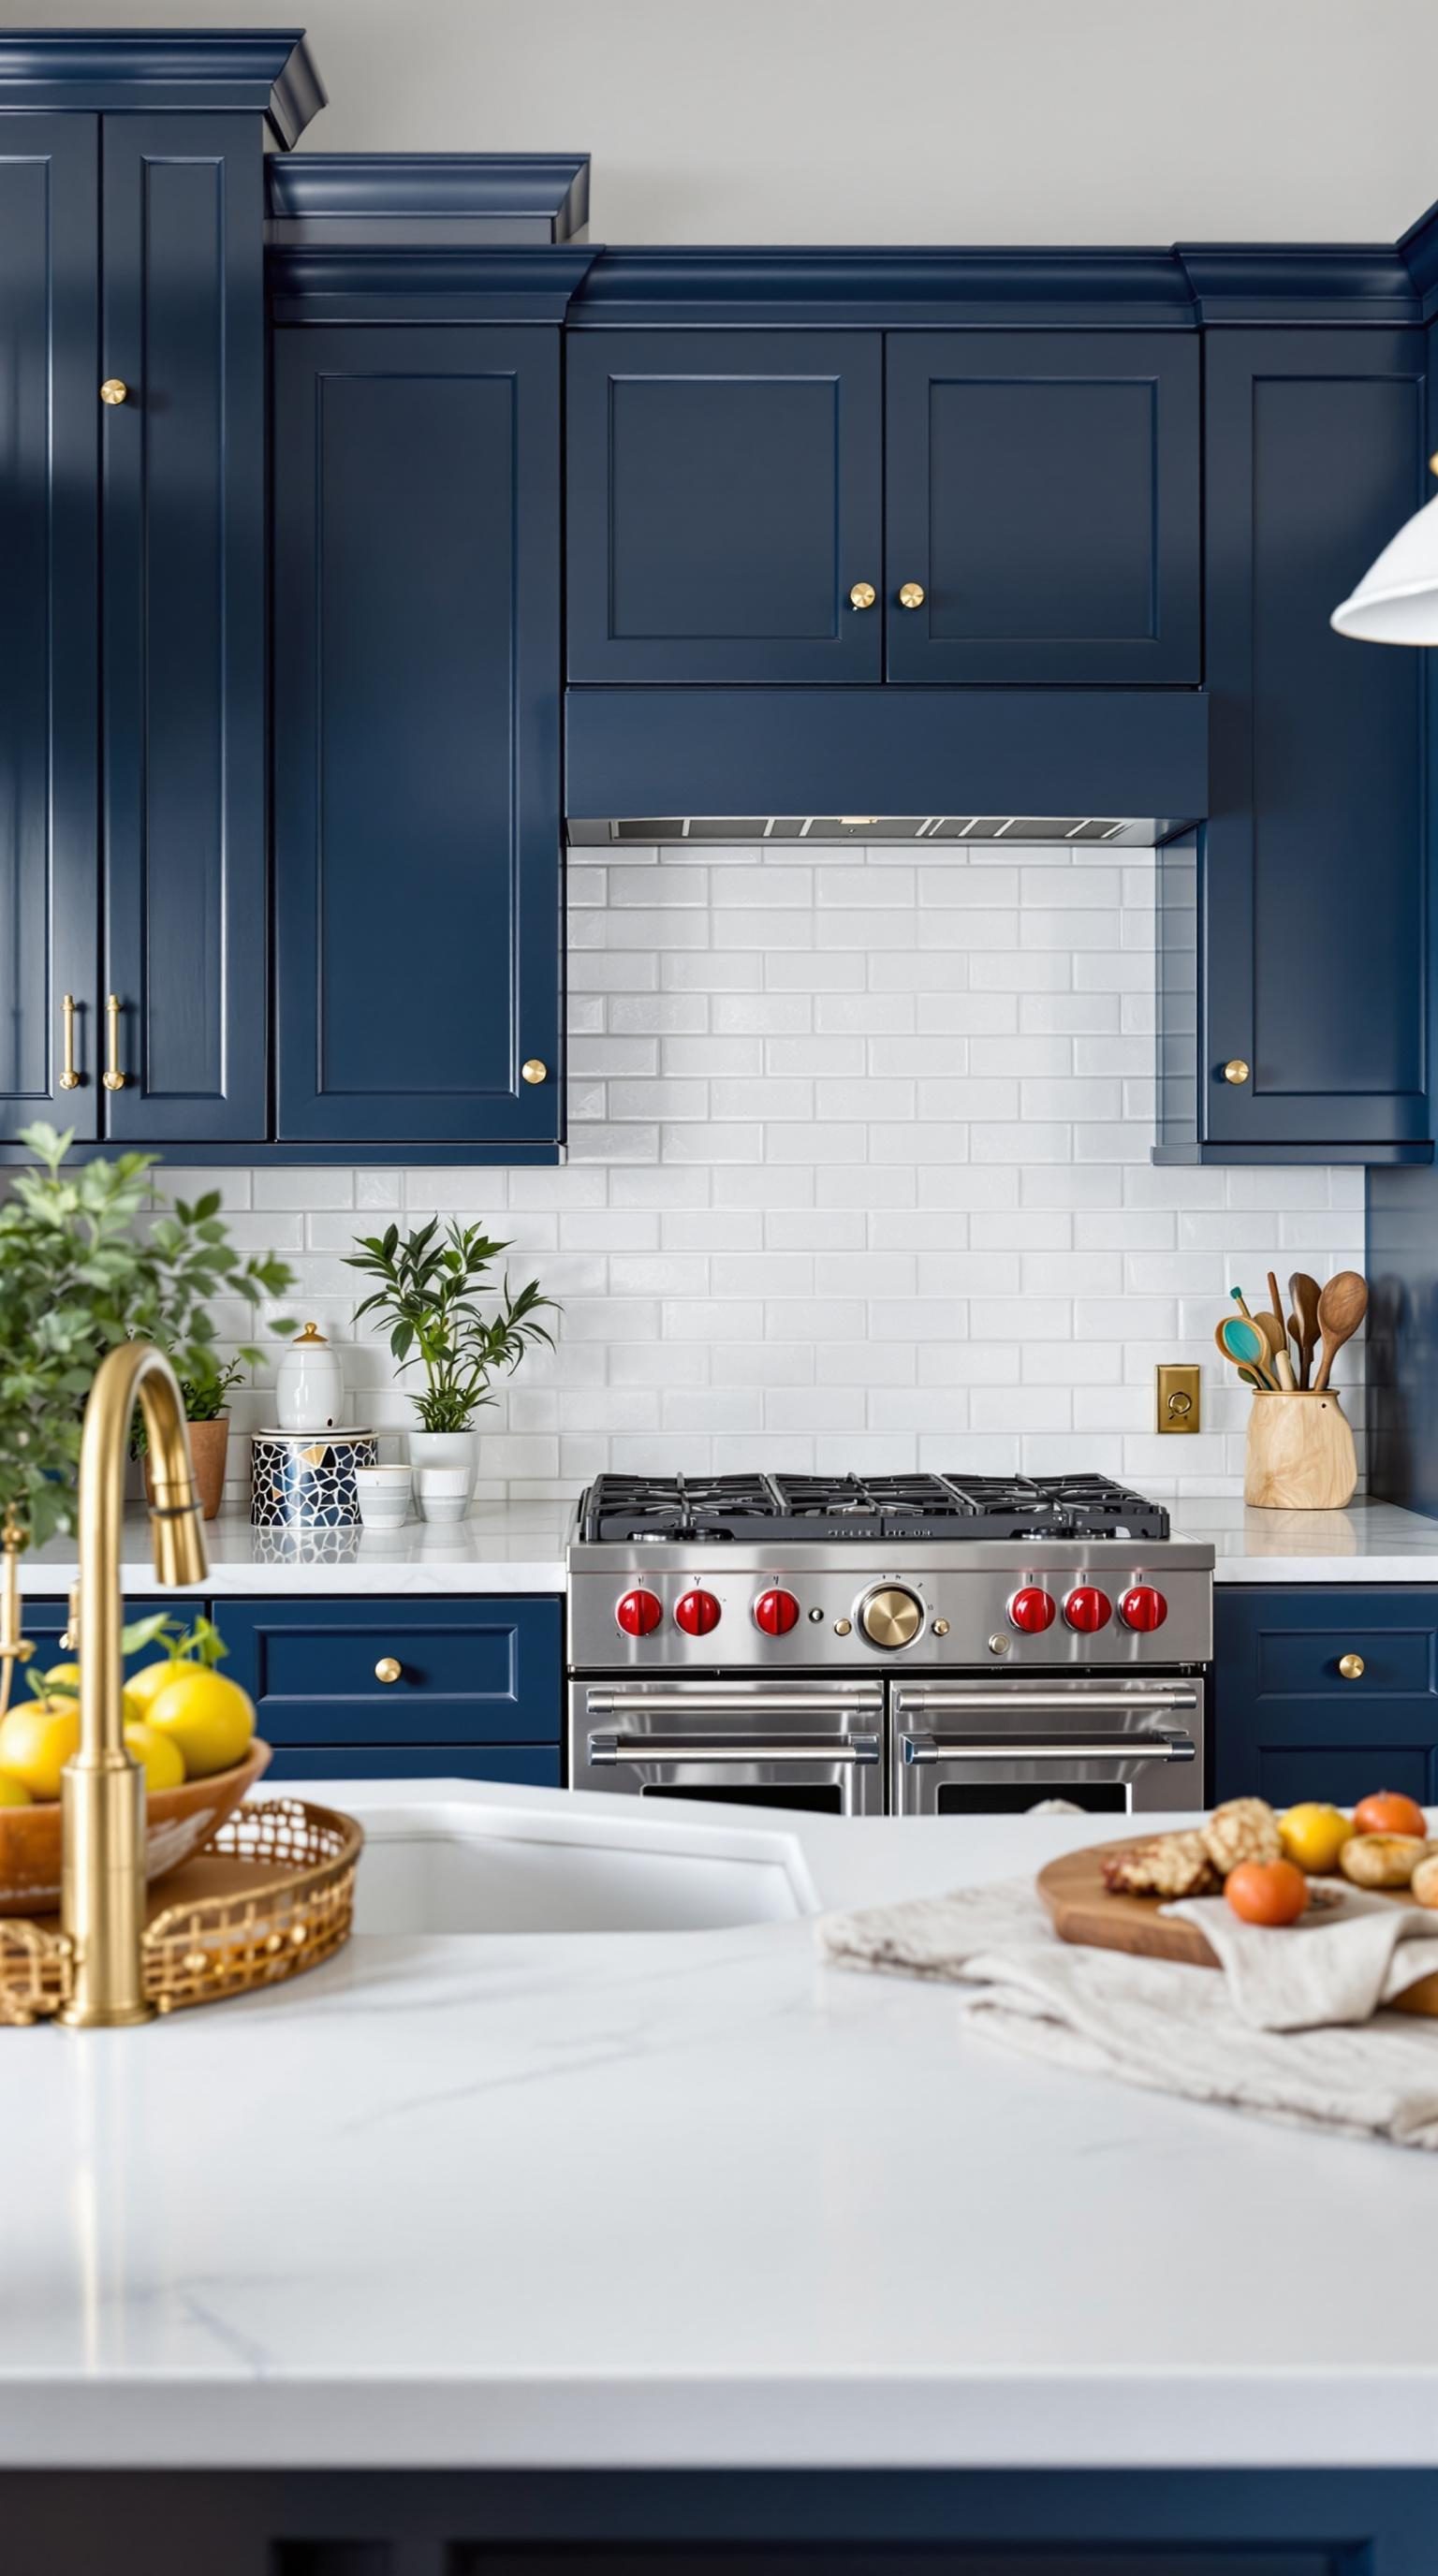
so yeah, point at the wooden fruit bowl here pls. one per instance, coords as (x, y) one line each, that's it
(178, 1822)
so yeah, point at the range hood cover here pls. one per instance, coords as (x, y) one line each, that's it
(1124, 832)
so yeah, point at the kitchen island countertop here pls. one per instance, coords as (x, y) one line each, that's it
(652, 2199)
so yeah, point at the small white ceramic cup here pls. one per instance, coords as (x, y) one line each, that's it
(442, 1492)
(384, 1495)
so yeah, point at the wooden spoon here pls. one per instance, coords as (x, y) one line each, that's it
(1303, 1322)
(1276, 1337)
(1342, 1305)
(1243, 1343)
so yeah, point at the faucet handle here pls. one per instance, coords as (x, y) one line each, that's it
(70, 1633)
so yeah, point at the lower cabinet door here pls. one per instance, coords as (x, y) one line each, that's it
(1322, 1691)
(525, 1766)
(434, 1677)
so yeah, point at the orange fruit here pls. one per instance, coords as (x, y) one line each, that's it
(209, 1718)
(1388, 1811)
(1267, 1891)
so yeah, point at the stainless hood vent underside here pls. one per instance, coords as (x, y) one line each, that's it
(645, 830)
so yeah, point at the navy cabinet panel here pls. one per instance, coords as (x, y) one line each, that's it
(49, 426)
(525, 1766)
(724, 498)
(1043, 492)
(1310, 966)
(44, 1623)
(417, 734)
(471, 1671)
(184, 626)
(1287, 1725)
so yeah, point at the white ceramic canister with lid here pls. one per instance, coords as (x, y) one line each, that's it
(309, 1388)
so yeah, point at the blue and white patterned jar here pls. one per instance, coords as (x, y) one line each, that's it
(306, 1479)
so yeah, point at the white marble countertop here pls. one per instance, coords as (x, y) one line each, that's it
(501, 1547)
(519, 1547)
(1370, 1542)
(659, 2199)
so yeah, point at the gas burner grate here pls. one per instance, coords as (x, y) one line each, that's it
(1056, 1507)
(814, 1509)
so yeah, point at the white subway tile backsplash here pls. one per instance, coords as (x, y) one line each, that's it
(859, 1177)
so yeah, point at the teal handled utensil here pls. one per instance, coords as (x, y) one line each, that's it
(1243, 1343)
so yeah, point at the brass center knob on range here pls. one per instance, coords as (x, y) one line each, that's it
(891, 1616)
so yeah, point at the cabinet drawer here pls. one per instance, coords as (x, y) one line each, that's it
(1289, 1724)
(471, 1672)
(525, 1766)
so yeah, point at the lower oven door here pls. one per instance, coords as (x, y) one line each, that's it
(816, 1746)
(982, 1748)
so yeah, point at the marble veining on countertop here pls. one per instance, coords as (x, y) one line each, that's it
(1370, 1542)
(673, 2198)
(501, 1547)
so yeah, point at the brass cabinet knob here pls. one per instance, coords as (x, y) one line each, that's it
(911, 595)
(534, 1069)
(114, 390)
(69, 1079)
(1351, 1667)
(863, 595)
(388, 1669)
(1236, 1070)
(114, 1077)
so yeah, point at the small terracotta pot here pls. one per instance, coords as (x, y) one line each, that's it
(208, 1444)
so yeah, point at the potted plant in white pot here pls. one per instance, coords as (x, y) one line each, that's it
(430, 1286)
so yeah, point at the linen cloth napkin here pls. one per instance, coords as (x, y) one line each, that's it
(1170, 2028)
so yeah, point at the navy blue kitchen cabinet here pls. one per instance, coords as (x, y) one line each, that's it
(417, 766)
(1042, 501)
(725, 498)
(1293, 940)
(132, 529)
(476, 1692)
(45, 1623)
(1289, 1723)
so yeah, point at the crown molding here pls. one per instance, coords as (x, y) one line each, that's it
(269, 69)
(1135, 289)
(361, 282)
(1315, 282)
(426, 200)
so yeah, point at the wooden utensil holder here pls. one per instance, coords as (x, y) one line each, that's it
(1300, 1453)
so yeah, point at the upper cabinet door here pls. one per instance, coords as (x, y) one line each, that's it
(49, 434)
(1311, 924)
(724, 502)
(184, 629)
(417, 848)
(1043, 507)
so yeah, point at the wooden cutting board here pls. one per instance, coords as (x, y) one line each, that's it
(1083, 1911)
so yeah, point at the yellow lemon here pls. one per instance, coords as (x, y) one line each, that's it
(66, 1678)
(13, 1792)
(141, 1686)
(158, 1755)
(1313, 1835)
(210, 1719)
(37, 1740)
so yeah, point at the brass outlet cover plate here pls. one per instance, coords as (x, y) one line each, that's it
(1177, 1396)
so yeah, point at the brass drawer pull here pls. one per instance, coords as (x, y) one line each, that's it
(1351, 1667)
(534, 1069)
(911, 594)
(862, 595)
(388, 1669)
(69, 1079)
(114, 1078)
(114, 390)
(1236, 1070)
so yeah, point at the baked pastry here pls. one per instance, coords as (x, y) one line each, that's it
(1243, 1829)
(1172, 1865)
(1382, 1860)
(1425, 1880)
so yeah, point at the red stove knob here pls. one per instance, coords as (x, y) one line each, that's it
(776, 1612)
(1143, 1608)
(1087, 1608)
(639, 1613)
(1033, 1610)
(696, 1613)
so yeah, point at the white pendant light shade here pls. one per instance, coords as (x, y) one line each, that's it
(1396, 602)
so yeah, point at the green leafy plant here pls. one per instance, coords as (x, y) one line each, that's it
(429, 1292)
(81, 1271)
(200, 1643)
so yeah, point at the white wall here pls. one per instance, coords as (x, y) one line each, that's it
(895, 120)
(859, 1178)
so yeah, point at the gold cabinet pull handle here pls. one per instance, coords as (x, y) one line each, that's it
(863, 595)
(114, 1078)
(388, 1669)
(1236, 1070)
(911, 595)
(534, 1069)
(114, 390)
(1351, 1667)
(69, 1079)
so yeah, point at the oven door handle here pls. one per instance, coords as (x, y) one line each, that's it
(1165, 1746)
(713, 1699)
(845, 1750)
(1084, 1700)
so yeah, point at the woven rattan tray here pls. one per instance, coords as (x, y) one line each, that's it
(272, 1895)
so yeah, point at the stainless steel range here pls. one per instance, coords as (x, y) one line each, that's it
(916, 1645)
